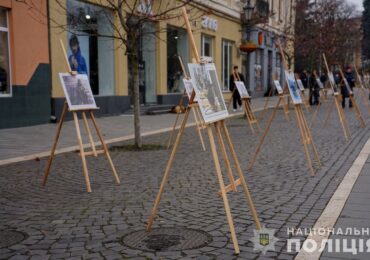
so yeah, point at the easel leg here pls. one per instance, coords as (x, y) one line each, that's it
(89, 134)
(285, 108)
(330, 109)
(309, 135)
(264, 135)
(82, 153)
(247, 115)
(241, 176)
(198, 128)
(304, 139)
(226, 159)
(357, 111)
(47, 170)
(167, 171)
(315, 114)
(105, 148)
(342, 119)
(266, 103)
(222, 188)
(172, 131)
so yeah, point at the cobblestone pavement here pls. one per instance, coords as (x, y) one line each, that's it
(63, 221)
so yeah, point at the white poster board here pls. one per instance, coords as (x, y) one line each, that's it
(208, 92)
(278, 87)
(293, 88)
(319, 83)
(77, 91)
(300, 85)
(188, 84)
(243, 92)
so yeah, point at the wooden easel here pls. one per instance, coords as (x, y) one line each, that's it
(220, 129)
(305, 100)
(363, 94)
(246, 103)
(336, 101)
(282, 101)
(305, 132)
(83, 153)
(196, 114)
(354, 103)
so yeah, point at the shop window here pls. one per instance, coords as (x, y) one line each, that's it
(227, 55)
(5, 83)
(207, 44)
(177, 46)
(90, 53)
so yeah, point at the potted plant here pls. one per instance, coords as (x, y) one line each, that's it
(248, 46)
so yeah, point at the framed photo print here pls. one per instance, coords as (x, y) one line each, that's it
(300, 85)
(242, 89)
(77, 91)
(208, 92)
(319, 83)
(278, 87)
(293, 88)
(189, 88)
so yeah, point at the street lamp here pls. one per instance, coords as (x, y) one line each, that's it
(248, 11)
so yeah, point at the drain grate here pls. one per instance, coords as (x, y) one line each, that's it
(167, 239)
(10, 237)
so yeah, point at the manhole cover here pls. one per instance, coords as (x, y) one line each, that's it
(167, 239)
(10, 237)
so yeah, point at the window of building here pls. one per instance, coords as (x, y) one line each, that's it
(226, 65)
(278, 68)
(89, 53)
(177, 46)
(5, 83)
(207, 46)
(258, 70)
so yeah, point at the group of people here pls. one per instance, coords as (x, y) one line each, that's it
(309, 82)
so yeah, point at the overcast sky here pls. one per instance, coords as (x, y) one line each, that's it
(358, 3)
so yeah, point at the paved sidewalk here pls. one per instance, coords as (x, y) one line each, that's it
(35, 141)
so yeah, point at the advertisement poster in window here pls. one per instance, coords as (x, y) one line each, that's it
(77, 91)
(208, 91)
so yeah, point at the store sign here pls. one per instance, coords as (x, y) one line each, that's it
(209, 23)
(145, 7)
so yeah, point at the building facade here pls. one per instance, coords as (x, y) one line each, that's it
(218, 30)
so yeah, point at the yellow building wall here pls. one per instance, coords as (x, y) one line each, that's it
(227, 29)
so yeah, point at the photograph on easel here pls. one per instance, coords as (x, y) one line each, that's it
(300, 85)
(188, 84)
(77, 91)
(243, 92)
(293, 88)
(278, 87)
(208, 91)
(319, 83)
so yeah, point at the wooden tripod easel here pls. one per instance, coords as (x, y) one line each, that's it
(305, 132)
(285, 105)
(196, 114)
(83, 153)
(363, 92)
(246, 103)
(354, 103)
(336, 101)
(220, 129)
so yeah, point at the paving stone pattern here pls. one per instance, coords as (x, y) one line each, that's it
(63, 221)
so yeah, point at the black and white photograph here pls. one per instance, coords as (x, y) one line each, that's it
(208, 91)
(300, 85)
(278, 87)
(77, 91)
(319, 83)
(188, 84)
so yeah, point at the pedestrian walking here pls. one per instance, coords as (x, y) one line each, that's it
(351, 82)
(236, 95)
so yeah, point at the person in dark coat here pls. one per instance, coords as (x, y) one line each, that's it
(314, 94)
(236, 95)
(351, 82)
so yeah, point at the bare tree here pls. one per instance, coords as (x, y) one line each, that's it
(126, 21)
(324, 26)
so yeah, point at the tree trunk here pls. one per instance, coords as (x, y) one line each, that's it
(136, 99)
